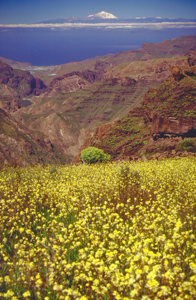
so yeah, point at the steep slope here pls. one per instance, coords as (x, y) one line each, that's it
(24, 146)
(166, 116)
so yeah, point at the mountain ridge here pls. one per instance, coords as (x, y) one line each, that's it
(164, 49)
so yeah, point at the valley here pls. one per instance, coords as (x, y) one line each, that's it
(134, 104)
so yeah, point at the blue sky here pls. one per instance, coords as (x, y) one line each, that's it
(31, 11)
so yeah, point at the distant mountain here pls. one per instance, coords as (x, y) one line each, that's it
(102, 15)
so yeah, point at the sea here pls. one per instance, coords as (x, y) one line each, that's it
(46, 47)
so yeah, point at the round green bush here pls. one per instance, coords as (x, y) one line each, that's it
(92, 155)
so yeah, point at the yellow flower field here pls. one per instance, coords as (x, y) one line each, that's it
(107, 231)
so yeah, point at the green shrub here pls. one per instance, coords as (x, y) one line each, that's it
(92, 155)
(187, 145)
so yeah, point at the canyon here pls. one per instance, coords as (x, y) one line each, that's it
(132, 104)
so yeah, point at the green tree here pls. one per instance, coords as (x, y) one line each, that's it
(92, 155)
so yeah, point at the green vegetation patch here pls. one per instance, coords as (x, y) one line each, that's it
(93, 155)
(187, 145)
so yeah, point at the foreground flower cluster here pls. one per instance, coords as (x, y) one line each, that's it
(108, 231)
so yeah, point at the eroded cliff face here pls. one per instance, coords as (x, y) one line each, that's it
(165, 126)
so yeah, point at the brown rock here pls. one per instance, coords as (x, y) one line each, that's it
(177, 73)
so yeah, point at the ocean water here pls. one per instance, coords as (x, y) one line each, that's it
(44, 47)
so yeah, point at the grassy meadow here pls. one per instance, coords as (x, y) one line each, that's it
(105, 231)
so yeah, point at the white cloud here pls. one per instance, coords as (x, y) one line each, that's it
(64, 26)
